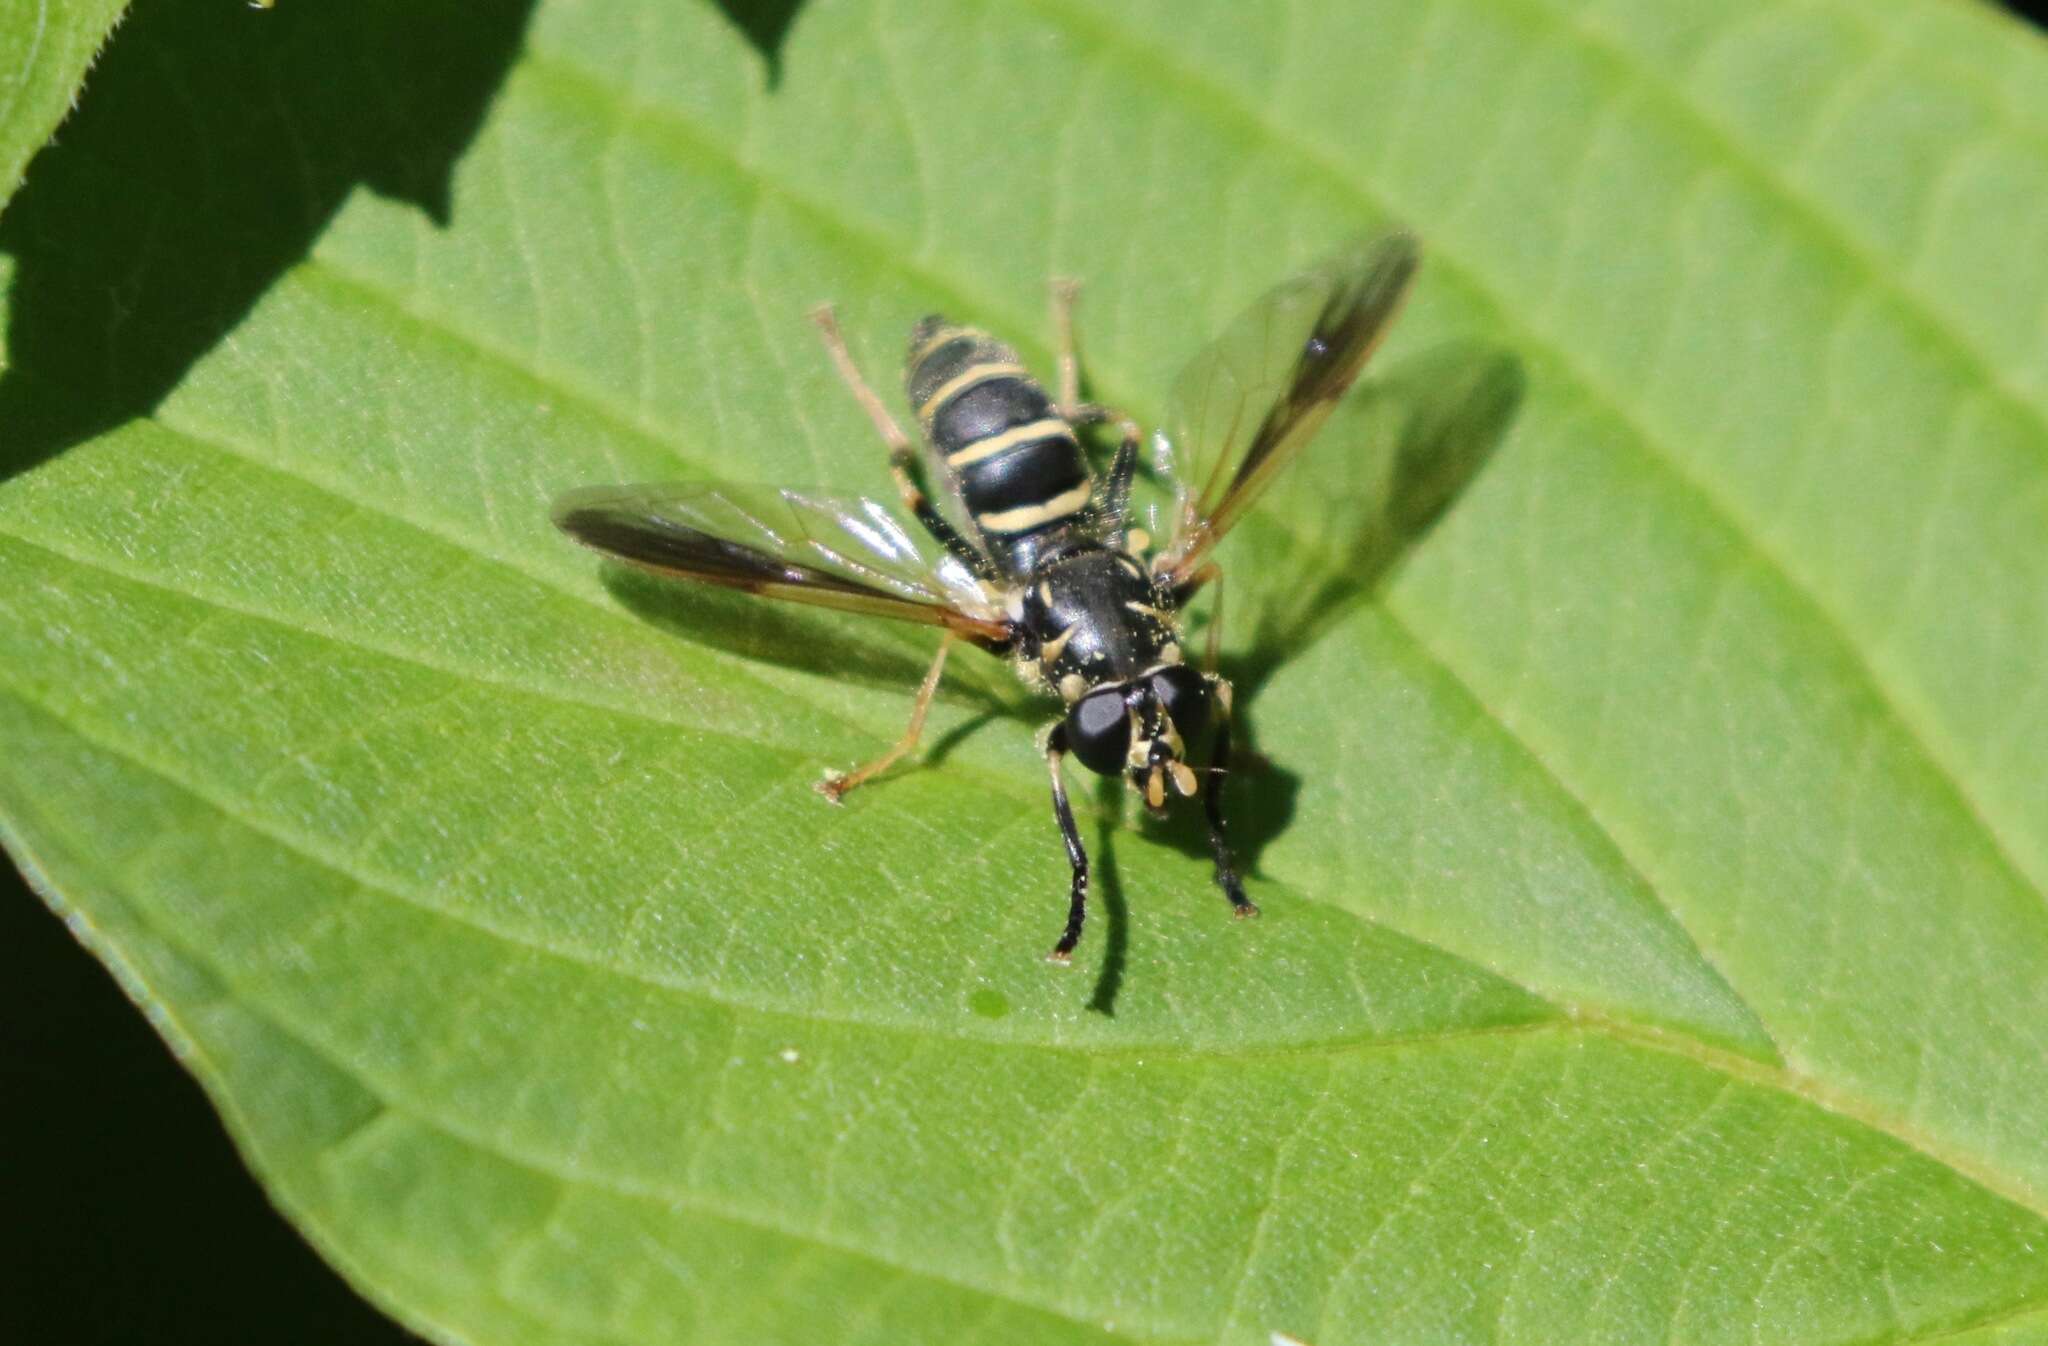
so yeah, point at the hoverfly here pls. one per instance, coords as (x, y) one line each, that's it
(1044, 567)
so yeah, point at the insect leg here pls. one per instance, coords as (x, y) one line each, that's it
(902, 452)
(1077, 905)
(849, 373)
(1071, 407)
(1114, 500)
(1115, 496)
(835, 785)
(1064, 292)
(1212, 804)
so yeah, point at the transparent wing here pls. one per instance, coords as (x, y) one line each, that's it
(842, 552)
(1246, 405)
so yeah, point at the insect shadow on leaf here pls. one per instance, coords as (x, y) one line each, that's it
(1396, 457)
(211, 147)
(1404, 449)
(1109, 980)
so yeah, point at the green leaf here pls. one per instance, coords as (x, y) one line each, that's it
(1653, 861)
(45, 47)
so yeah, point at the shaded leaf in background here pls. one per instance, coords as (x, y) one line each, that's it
(117, 1145)
(1655, 945)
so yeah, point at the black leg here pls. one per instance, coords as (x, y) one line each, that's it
(921, 507)
(1115, 498)
(1219, 845)
(1077, 906)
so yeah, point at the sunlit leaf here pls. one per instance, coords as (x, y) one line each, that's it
(1652, 835)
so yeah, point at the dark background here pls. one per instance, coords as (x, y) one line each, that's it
(135, 1220)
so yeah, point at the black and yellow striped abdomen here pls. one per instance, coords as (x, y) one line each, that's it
(1018, 468)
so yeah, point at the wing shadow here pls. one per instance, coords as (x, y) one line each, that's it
(1410, 445)
(1390, 466)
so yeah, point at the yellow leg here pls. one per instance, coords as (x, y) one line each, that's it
(835, 785)
(902, 452)
(849, 373)
(1064, 293)
(1071, 408)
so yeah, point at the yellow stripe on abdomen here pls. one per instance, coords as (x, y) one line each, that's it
(1027, 517)
(965, 379)
(944, 335)
(988, 446)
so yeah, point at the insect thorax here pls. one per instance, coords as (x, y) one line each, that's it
(1093, 616)
(1000, 443)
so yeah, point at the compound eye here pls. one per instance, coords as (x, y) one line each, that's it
(1185, 696)
(1099, 731)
